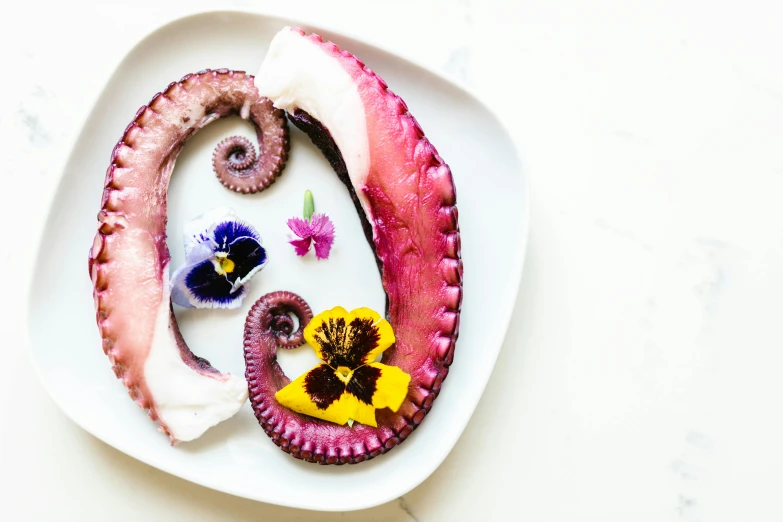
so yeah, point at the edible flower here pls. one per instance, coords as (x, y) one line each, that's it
(348, 386)
(222, 253)
(314, 228)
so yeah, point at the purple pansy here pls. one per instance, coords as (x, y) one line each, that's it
(222, 253)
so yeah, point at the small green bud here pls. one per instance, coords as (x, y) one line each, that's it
(309, 205)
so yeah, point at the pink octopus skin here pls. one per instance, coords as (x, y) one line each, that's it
(415, 236)
(128, 262)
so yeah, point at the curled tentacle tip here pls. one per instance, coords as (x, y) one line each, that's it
(235, 161)
(271, 314)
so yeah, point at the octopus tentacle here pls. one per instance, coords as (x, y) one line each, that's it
(406, 200)
(235, 162)
(268, 326)
(292, 432)
(270, 316)
(129, 258)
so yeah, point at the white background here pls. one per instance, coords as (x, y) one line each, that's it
(641, 375)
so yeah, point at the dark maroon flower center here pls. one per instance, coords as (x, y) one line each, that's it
(325, 386)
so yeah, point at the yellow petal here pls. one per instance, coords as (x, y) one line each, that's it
(385, 332)
(391, 387)
(310, 334)
(360, 412)
(316, 338)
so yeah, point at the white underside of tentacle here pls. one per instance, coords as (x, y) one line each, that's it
(186, 401)
(298, 73)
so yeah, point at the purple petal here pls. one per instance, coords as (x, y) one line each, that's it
(198, 231)
(178, 294)
(323, 235)
(321, 224)
(302, 246)
(229, 304)
(301, 228)
(199, 252)
(323, 247)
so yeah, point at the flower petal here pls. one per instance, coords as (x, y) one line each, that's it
(391, 388)
(321, 224)
(301, 246)
(323, 235)
(229, 231)
(364, 383)
(300, 227)
(316, 338)
(347, 339)
(385, 332)
(322, 248)
(199, 230)
(178, 295)
(199, 252)
(358, 411)
(323, 386)
(248, 256)
(316, 393)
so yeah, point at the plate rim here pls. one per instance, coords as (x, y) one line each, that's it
(520, 253)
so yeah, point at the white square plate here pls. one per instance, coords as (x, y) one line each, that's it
(236, 456)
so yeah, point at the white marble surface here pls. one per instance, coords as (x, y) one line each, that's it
(641, 376)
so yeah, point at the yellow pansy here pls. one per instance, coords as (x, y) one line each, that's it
(348, 384)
